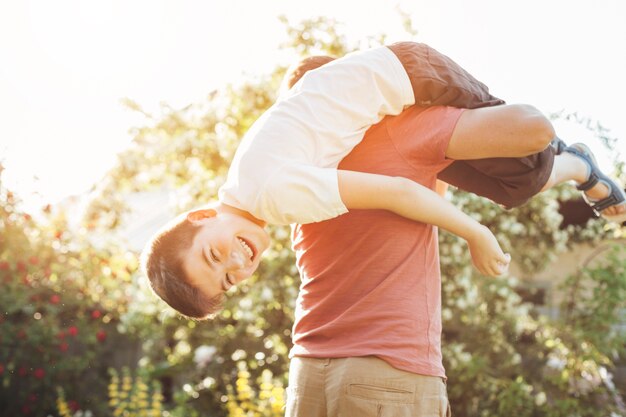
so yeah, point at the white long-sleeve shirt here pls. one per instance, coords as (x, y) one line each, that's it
(285, 169)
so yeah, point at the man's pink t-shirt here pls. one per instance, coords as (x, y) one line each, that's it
(371, 283)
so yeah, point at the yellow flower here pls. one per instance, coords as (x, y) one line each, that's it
(62, 406)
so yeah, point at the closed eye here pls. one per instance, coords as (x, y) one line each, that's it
(214, 256)
(228, 282)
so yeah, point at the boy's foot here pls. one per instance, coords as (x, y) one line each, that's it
(601, 193)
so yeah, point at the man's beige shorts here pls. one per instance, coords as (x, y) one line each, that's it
(361, 387)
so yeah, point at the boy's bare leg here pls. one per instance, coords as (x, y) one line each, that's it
(512, 131)
(516, 131)
(568, 167)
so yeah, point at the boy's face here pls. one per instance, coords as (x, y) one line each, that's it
(225, 251)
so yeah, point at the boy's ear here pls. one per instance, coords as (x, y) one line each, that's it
(197, 215)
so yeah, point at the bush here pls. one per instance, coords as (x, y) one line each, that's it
(61, 300)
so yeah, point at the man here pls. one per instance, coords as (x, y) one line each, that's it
(367, 329)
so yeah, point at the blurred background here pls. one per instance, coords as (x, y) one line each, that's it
(116, 115)
(66, 64)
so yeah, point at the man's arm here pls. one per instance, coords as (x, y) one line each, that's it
(413, 201)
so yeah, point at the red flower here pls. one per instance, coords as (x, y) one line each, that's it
(4, 266)
(55, 299)
(96, 314)
(64, 346)
(33, 260)
(26, 280)
(39, 373)
(73, 405)
(58, 234)
(22, 371)
(101, 335)
(72, 331)
(21, 266)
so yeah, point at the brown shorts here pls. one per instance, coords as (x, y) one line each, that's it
(361, 387)
(439, 81)
(507, 181)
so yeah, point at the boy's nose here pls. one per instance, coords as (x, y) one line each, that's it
(236, 260)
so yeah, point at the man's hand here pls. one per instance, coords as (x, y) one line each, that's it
(487, 256)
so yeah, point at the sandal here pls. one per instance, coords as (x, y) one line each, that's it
(616, 195)
(559, 145)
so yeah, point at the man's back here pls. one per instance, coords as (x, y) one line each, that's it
(370, 279)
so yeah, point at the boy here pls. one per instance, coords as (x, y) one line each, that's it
(285, 170)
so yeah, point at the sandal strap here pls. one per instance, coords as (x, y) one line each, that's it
(616, 197)
(593, 177)
(590, 183)
(616, 194)
(605, 203)
(559, 145)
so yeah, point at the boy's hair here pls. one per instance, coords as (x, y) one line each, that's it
(296, 71)
(162, 262)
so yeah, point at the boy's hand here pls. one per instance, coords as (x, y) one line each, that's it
(487, 256)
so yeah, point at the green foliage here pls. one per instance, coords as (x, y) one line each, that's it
(316, 36)
(502, 358)
(595, 301)
(61, 299)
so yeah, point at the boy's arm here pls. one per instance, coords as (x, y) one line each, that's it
(413, 201)
(441, 188)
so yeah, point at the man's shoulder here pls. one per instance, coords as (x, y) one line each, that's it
(421, 134)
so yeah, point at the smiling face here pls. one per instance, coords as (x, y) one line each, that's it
(226, 250)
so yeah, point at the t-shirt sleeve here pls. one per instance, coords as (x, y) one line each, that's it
(300, 194)
(422, 135)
